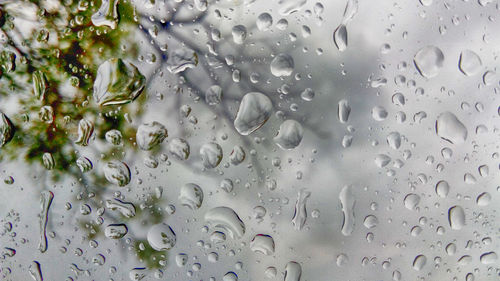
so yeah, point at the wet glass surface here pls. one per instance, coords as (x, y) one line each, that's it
(249, 140)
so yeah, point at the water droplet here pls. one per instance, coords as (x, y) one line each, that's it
(45, 203)
(456, 217)
(264, 21)
(115, 231)
(211, 155)
(161, 237)
(117, 173)
(237, 155)
(289, 135)
(230, 276)
(213, 95)
(449, 128)
(370, 221)
(340, 37)
(239, 33)
(150, 134)
(85, 131)
(291, 6)
(347, 201)
(293, 271)
(344, 110)
(137, 273)
(255, 109)
(394, 140)
(107, 14)
(489, 258)
(429, 60)
(379, 113)
(382, 160)
(6, 129)
(263, 244)
(282, 65)
(191, 196)
(419, 262)
(411, 201)
(469, 63)
(117, 82)
(114, 137)
(35, 271)
(442, 188)
(126, 209)
(300, 214)
(182, 59)
(227, 219)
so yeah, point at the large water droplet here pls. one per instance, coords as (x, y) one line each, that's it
(300, 214)
(191, 196)
(347, 201)
(6, 129)
(289, 135)
(35, 271)
(115, 231)
(182, 59)
(263, 244)
(419, 262)
(429, 60)
(255, 109)
(442, 188)
(117, 173)
(264, 21)
(211, 155)
(449, 128)
(293, 271)
(469, 63)
(107, 14)
(161, 237)
(340, 37)
(117, 82)
(489, 258)
(456, 217)
(150, 134)
(85, 131)
(45, 203)
(344, 110)
(125, 208)
(227, 219)
(282, 65)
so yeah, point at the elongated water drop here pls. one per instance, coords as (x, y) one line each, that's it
(85, 131)
(456, 217)
(340, 37)
(6, 129)
(347, 201)
(35, 271)
(293, 271)
(300, 214)
(45, 203)
(344, 110)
